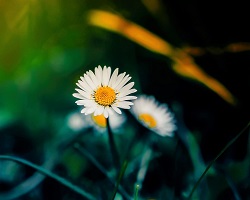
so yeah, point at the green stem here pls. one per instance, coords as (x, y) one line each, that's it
(50, 174)
(120, 176)
(84, 152)
(113, 148)
(137, 187)
(213, 161)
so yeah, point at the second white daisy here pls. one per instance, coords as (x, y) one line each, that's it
(154, 116)
(102, 93)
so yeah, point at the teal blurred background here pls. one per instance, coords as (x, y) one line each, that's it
(45, 46)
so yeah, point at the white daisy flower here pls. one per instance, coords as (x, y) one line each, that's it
(103, 93)
(154, 116)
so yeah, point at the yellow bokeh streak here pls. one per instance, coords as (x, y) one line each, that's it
(130, 30)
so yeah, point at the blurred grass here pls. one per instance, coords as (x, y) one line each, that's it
(41, 44)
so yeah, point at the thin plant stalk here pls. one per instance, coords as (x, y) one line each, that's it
(114, 152)
(136, 194)
(214, 160)
(51, 175)
(84, 152)
(52, 157)
(120, 176)
(33, 181)
(147, 156)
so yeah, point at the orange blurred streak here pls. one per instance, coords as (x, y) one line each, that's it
(130, 30)
(233, 48)
(194, 51)
(184, 64)
(238, 47)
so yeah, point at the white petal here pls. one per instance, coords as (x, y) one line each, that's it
(119, 79)
(116, 109)
(96, 111)
(85, 85)
(123, 105)
(113, 77)
(106, 75)
(89, 81)
(94, 79)
(123, 82)
(127, 103)
(80, 102)
(99, 110)
(80, 86)
(127, 98)
(90, 110)
(83, 110)
(84, 94)
(127, 92)
(127, 87)
(86, 102)
(98, 73)
(105, 112)
(109, 110)
(77, 95)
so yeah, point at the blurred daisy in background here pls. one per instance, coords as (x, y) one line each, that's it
(76, 121)
(99, 122)
(154, 116)
(102, 93)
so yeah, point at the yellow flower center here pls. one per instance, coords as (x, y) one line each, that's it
(100, 120)
(148, 120)
(105, 96)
